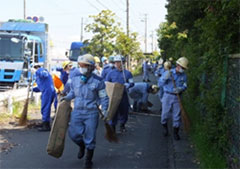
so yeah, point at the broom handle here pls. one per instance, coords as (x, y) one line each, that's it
(100, 112)
(124, 76)
(183, 113)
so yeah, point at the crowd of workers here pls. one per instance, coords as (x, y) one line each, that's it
(86, 85)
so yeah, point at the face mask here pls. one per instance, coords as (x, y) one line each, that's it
(181, 70)
(111, 65)
(83, 70)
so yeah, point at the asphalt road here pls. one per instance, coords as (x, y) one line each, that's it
(142, 146)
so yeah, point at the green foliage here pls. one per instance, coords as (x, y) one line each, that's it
(204, 32)
(105, 30)
(137, 70)
(108, 37)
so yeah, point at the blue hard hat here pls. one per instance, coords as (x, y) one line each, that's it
(111, 58)
(103, 59)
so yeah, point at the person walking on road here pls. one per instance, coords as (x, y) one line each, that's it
(66, 67)
(146, 69)
(87, 89)
(166, 67)
(46, 87)
(108, 68)
(139, 93)
(169, 99)
(98, 69)
(122, 76)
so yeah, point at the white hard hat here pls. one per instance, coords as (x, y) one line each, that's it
(155, 89)
(119, 58)
(167, 65)
(160, 61)
(86, 59)
(183, 62)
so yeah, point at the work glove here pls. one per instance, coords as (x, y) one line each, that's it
(33, 70)
(127, 85)
(105, 115)
(62, 99)
(177, 90)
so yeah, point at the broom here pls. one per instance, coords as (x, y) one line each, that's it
(23, 117)
(110, 135)
(184, 114)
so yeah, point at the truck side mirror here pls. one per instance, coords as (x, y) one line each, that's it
(27, 52)
(66, 54)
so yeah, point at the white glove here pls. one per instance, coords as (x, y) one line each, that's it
(33, 71)
(177, 90)
(127, 85)
(105, 115)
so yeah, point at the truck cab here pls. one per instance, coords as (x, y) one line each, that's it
(21, 45)
(76, 49)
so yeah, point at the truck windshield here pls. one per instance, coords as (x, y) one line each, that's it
(10, 50)
(73, 56)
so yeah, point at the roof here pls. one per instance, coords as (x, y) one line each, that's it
(77, 45)
(23, 27)
(20, 35)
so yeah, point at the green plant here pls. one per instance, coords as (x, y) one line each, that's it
(137, 70)
(204, 32)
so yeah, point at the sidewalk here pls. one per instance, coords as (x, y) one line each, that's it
(181, 153)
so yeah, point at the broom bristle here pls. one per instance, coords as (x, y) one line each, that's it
(110, 134)
(23, 118)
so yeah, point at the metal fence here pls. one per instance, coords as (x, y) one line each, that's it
(9, 97)
(233, 107)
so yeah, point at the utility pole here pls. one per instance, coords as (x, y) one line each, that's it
(24, 9)
(145, 19)
(152, 39)
(127, 18)
(81, 37)
(128, 56)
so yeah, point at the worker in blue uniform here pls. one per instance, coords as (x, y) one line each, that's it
(104, 61)
(146, 69)
(139, 93)
(46, 87)
(66, 67)
(169, 99)
(108, 67)
(166, 67)
(86, 89)
(122, 76)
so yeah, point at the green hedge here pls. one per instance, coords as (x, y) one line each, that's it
(204, 32)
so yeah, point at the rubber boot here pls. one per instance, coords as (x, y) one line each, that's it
(81, 150)
(135, 106)
(45, 126)
(88, 162)
(122, 128)
(165, 130)
(113, 128)
(175, 133)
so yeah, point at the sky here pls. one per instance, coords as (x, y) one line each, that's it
(64, 18)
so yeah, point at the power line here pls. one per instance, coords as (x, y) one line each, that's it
(93, 6)
(118, 5)
(102, 4)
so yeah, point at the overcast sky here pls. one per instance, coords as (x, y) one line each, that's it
(64, 17)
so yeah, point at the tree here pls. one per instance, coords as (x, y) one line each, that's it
(105, 30)
(108, 37)
(128, 46)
